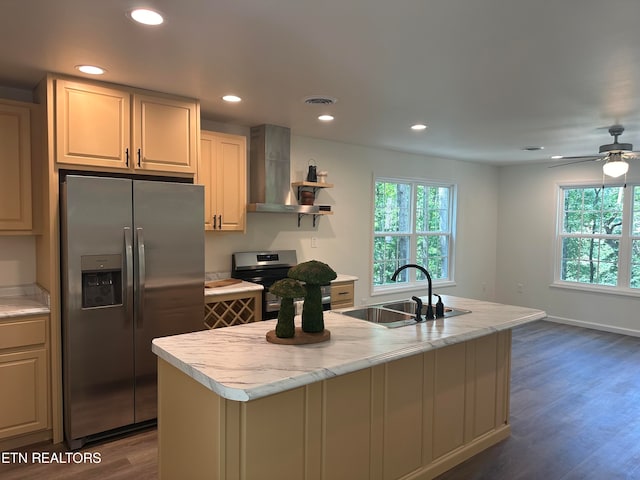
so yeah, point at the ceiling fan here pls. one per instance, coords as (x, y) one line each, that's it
(615, 155)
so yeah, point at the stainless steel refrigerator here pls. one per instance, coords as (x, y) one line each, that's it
(132, 258)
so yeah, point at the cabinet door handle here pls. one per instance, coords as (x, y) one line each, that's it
(126, 154)
(139, 155)
(214, 222)
(220, 222)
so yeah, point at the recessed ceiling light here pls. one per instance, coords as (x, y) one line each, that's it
(231, 98)
(555, 157)
(325, 118)
(91, 69)
(418, 127)
(146, 16)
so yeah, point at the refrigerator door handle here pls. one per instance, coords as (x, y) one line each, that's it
(128, 272)
(141, 278)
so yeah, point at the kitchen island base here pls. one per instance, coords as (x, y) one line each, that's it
(410, 418)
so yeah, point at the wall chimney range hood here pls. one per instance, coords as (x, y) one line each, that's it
(270, 172)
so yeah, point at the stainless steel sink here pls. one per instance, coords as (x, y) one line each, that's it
(409, 306)
(376, 314)
(396, 314)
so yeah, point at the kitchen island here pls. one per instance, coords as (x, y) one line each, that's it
(372, 403)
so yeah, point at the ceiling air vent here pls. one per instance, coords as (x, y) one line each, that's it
(319, 100)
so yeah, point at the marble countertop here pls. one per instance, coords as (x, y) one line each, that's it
(344, 278)
(239, 364)
(23, 300)
(250, 287)
(236, 288)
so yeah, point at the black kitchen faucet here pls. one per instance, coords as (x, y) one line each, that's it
(429, 315)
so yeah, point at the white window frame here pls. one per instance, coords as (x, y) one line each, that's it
(625, 238)
(414, 284)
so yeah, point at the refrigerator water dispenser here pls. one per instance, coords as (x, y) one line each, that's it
(101, 280)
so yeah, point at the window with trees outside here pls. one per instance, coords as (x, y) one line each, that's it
(599, 237)
(413, 222)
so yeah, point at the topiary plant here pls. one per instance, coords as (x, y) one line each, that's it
(314, 274)
(287, 289)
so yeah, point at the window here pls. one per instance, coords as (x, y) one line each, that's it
(599, 236)
(635, 240)
(413, 223)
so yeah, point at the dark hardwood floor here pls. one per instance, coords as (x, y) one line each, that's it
(575, 409)
(575, 415)
(130, 457)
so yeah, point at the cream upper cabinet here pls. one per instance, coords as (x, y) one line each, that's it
(92, 125)
(223, 172)
(99, 126)
(164, 134)
(15, 167)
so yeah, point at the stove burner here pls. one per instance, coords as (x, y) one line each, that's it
(265, 268)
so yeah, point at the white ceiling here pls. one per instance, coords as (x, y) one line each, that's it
(489, 77)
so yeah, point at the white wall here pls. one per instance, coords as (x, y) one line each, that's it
(17, 260)
(526, 232)
(344, 238)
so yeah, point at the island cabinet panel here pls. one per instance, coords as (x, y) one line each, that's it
(449, 401)
(346, 421)
(403, 416)
(485, 383)
(410, 418)
(272, 436)
(176, 420)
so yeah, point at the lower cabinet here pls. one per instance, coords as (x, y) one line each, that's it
(232, 309)
(342, 294)
(23, 376)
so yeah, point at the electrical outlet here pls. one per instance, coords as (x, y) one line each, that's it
(314, 242)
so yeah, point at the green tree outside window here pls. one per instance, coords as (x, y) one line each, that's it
(412, 224)
(599, 244)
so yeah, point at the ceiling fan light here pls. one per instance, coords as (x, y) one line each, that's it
(146, 16)
(615, 168)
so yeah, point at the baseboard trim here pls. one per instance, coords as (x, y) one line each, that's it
(594, 326)
(12, 443)
(458, 456)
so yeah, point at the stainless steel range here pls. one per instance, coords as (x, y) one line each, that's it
(265, 268)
